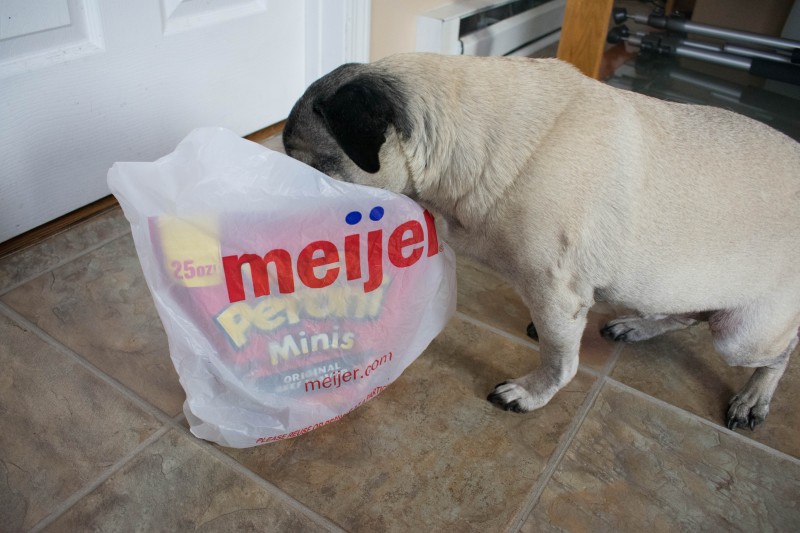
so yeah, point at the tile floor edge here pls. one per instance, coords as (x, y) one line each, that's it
(87, 489)
(63, 262)
(127, 393)
(510, 336)
(271, 488)
(525, 343)
(558, 455)
(714, 425)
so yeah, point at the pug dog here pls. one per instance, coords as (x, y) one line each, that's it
(576, 192)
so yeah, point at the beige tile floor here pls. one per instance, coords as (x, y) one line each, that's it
(93, 437)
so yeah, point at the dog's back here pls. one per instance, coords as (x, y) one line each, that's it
(703, 205)
(699, 207)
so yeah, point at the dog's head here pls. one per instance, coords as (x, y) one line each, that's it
(350, 124)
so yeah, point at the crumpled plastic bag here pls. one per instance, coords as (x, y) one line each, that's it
(288, 298)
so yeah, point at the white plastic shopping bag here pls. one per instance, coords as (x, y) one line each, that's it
(289, 298)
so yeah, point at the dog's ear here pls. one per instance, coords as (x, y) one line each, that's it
(357, 116)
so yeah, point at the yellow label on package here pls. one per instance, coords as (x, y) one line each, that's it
(191, 250)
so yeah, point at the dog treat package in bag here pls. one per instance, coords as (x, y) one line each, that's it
(288, 298)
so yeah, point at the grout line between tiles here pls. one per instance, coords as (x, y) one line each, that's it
(271, 489)
(168, 423)
(677, 410)
(559, 453)
(84, 491)
(63, 262)
(518, 340)
(510, 336)
(611, 364)
(86, 364)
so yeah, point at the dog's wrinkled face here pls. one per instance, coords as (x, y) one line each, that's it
(350, 125)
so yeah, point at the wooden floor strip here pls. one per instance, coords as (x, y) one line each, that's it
(54, 227)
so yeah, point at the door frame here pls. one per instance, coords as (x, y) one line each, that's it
(337, 31)
(327, 46)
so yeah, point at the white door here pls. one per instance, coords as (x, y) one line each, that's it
(85, 83)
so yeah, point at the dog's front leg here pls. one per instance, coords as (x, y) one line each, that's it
(560, 332)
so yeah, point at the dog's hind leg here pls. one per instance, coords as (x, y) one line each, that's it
(758, 336)
(751, 405)
(640, 328)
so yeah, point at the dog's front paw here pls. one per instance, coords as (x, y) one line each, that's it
(745, 411)
(511, 397)
(526, 393)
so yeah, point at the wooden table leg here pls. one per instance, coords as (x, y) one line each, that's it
(583, 34)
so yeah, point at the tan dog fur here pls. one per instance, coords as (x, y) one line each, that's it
(576, 192)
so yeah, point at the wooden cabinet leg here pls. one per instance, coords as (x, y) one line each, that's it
(583, 34)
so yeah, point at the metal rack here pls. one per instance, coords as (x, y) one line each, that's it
(767, 57)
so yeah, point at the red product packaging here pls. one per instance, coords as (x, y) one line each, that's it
(289, 299)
